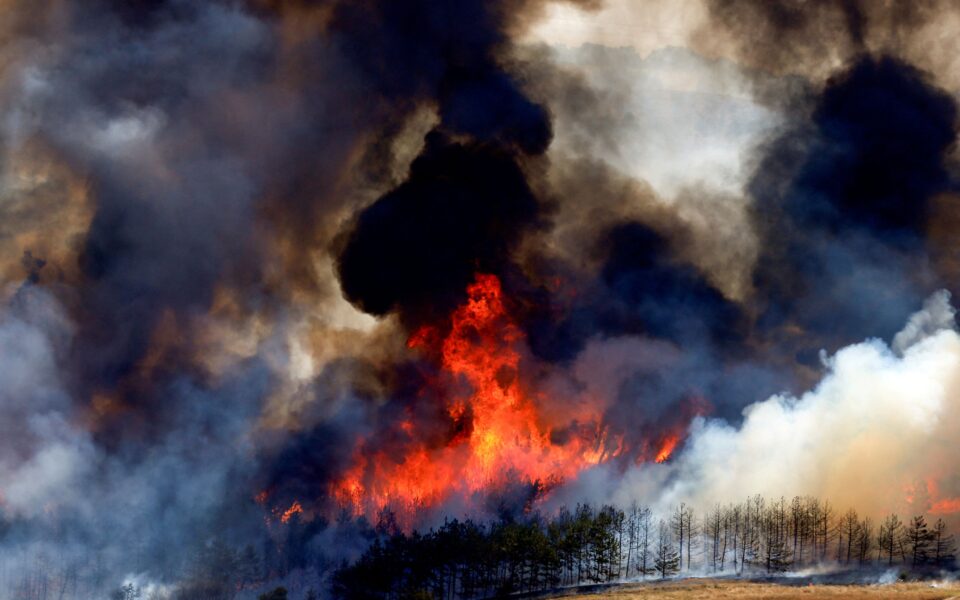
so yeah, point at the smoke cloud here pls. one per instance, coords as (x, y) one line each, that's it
(875, 434)
(281, 275)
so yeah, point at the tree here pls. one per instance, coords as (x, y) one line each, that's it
(919, 540)
(750, 532)
(633, 524)
(690, 535)
(713, 531)
(531, 553)
(679, 524)
(849, 526)
(944, 547)
(777, 556)
(646, 538)
(864, 539)
(889, 538)
(666, 560)
(682, 524)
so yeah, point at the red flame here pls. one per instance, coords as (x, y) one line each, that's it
(504, 435)
(499, 432)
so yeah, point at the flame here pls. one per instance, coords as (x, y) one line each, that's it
(940, 505)
(667, 448)
(295, 509)
(500, 436)
(947, 506)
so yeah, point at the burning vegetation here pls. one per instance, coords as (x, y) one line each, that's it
(498, 432)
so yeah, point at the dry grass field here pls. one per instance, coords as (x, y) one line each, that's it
(702, 589)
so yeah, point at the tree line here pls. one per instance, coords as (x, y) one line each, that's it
(513, 554)
(467, 559)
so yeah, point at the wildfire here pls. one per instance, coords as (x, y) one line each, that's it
(505, 438)
(667, 448)
(947, 506)
(939, 505)
(295, 509)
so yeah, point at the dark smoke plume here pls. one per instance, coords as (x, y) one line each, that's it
(849, 225)
(470, 200)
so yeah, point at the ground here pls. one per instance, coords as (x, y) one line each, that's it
(702, 589)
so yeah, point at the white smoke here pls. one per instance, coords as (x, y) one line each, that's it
(42, 453)
(879, 434)
(937, 315)
(881, 420)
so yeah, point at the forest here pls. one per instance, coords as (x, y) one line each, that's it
(528, 553)
(466, 559)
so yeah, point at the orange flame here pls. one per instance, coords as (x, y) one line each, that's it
(947, 506)
(501, 436)
(295, 509)
(939, 505)
(667, 448)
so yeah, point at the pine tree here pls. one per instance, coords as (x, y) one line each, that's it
(919, 540)
(944, 546)
(666, 561)
(889, 537)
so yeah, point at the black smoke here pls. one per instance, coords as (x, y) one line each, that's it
(642, 288)
(462, 210)
(843, 205)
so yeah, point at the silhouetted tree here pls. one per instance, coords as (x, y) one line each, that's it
(918, 540)
(944, 547)
(529, 554)
(890, 537)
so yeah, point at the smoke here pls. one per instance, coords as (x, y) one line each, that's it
(42, 452)
(348, 264)
(876, 434)
(842, 205)
(471, 201)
